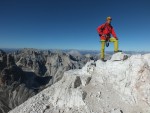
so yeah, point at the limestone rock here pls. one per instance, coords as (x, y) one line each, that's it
(114, 87)
(119, 56)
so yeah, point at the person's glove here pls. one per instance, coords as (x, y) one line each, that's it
(116, 38)
(102, 35)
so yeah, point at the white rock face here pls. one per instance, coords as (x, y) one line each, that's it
(119, 56)
(115, 86)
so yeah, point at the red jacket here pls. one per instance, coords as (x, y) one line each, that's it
(105, 31)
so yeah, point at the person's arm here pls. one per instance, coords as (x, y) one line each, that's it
(113, 33)
(99, 29)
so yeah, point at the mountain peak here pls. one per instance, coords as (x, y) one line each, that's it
(120, 85)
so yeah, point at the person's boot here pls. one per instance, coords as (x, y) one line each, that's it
(102, 59)
(117, 51)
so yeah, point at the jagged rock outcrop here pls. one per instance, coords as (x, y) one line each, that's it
(15, 85)
(13, 95)
(115, 86)
(46, 63)
(32, 60)
(75, 53)
(57, 64)
(3, 60)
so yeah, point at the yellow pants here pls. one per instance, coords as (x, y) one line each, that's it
(103, 43)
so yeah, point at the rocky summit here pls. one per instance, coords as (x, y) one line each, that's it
(26, 72)
(119, 85)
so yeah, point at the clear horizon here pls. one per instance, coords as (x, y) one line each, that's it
(66, 24)
(70, 49)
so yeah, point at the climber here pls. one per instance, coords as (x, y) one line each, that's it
(105, 31)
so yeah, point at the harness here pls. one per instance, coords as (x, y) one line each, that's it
(107, 40)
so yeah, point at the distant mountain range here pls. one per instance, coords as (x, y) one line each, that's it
(83, 52)
(26, 72)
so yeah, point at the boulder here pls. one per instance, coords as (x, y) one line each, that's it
(119, 56)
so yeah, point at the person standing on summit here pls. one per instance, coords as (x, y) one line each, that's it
(105, 31)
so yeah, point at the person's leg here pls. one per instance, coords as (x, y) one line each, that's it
(112, 39)
(103, 49)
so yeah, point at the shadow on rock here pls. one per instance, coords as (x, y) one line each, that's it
(33, 81)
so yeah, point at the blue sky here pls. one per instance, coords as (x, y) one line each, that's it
(71, 24)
